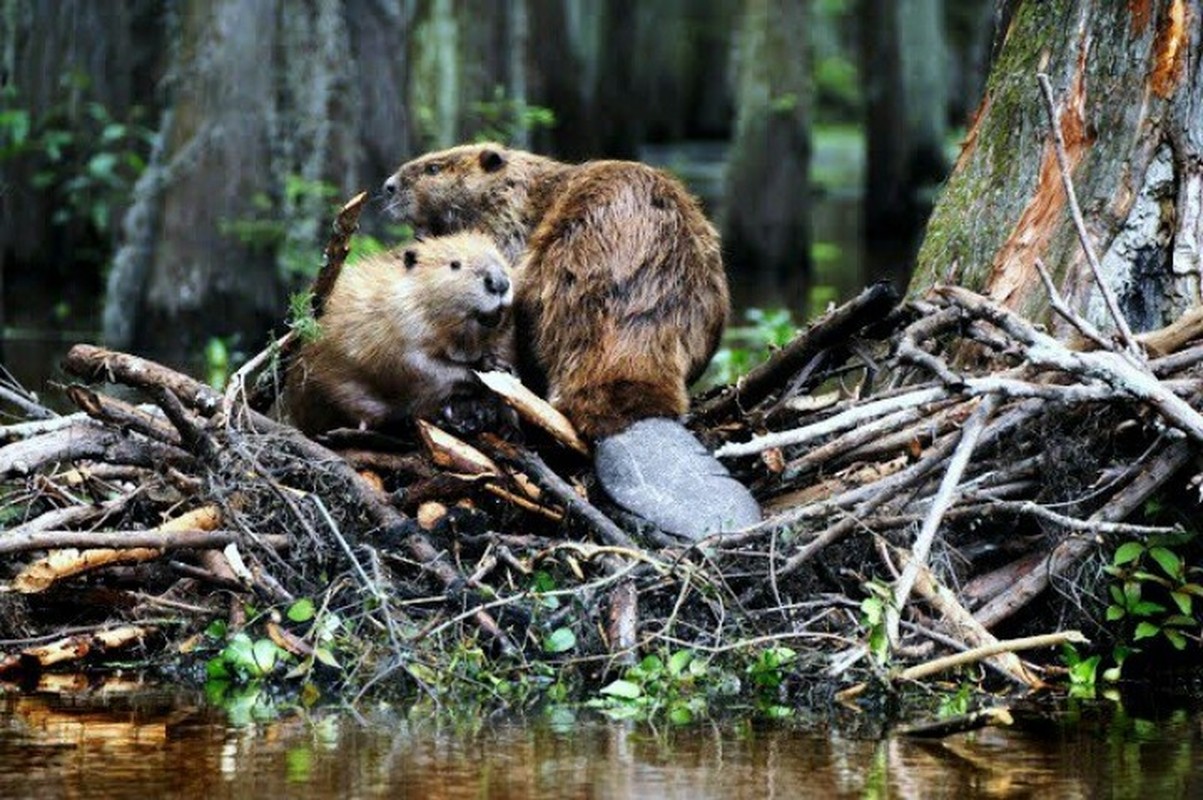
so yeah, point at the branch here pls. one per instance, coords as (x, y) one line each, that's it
(1121, 324)
(944, 499)
(869, 307)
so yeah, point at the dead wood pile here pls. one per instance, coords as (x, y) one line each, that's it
(947, 452)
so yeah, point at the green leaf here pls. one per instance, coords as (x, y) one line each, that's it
(1168, 560)
(678, 661)
(1129, 551)
(1175, 638)
(324, 655)
(624, 690)
(1147, 608)
(1118, 596)
(1146, 630)
(265, 654)
(1183, 600)
(1114, 613)
(301, 611)
(560, 640)
(680, 715)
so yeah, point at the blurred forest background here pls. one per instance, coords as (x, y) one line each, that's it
(168, 169)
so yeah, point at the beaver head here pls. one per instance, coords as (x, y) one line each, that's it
(448, 191)
(486, 187)
(466, 291)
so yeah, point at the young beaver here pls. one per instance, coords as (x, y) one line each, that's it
(400, 335)
(620, 303)
(622, 298)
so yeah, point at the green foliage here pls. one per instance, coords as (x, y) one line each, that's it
(246, 673)
(672, 688)
(503, 118)
(279, 225)
(300, 316)
(956, 703)
(217, 361)
(1082, 671)
(746, 346)
(873, 619)
(85, 159)
(1154, 592)
(681, 687)
(244, 660)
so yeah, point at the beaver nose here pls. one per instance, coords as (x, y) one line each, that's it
(390, 186)
(496, 281)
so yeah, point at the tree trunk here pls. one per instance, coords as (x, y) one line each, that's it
(765, 228)
(1128, 86)
(904, 64)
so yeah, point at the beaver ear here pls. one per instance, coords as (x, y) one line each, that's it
(411, 259)
(491, 160)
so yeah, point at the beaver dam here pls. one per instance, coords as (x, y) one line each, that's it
(950, 494)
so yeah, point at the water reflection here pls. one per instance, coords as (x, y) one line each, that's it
(115, 743)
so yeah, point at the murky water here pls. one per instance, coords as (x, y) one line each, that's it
(119, 743)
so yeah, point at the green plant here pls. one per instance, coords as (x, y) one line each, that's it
(1082, 671)
(767, 674)
(503, 118)
(657, 687)
(83, 156)
(746, 346)
(878, 598)
(1155, 590)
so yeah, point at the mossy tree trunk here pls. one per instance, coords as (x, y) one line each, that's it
(1129, 86)
(272, 111)
(904, 65)
(765, 221)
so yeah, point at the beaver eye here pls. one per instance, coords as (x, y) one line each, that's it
(432, 169)
(455, 265)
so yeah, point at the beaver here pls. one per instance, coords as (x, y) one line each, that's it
(621, 302)
(400, 335)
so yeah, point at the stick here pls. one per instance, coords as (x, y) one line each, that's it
(195, 539)
(962, 723)
(945, 497)
(985, 651)
(1121, 324)
(1073, 549)
(559, 488)
(870, 306)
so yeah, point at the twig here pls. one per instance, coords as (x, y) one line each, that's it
(986, 651)
(1121, 324)
(559, 488)
(944, 499)
(869, 307)
(1083, 325)
(127, 540)
(962, 723)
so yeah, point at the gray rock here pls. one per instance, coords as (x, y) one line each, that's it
(658, 470)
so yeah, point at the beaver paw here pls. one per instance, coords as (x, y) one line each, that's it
(473, 415)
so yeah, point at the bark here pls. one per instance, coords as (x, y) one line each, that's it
(1126, 78)
(766, 223)
(269, 108)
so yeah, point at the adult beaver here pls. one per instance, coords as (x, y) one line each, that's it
(620, 303)
(400, 335)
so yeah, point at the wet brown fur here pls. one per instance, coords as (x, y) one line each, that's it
(621, 295)
(401, 333)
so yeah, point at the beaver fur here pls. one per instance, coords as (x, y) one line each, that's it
(400, 335)
(621, 298)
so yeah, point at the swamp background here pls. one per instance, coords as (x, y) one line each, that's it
(169, 170)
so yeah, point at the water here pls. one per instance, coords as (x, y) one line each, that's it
(127, 742)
